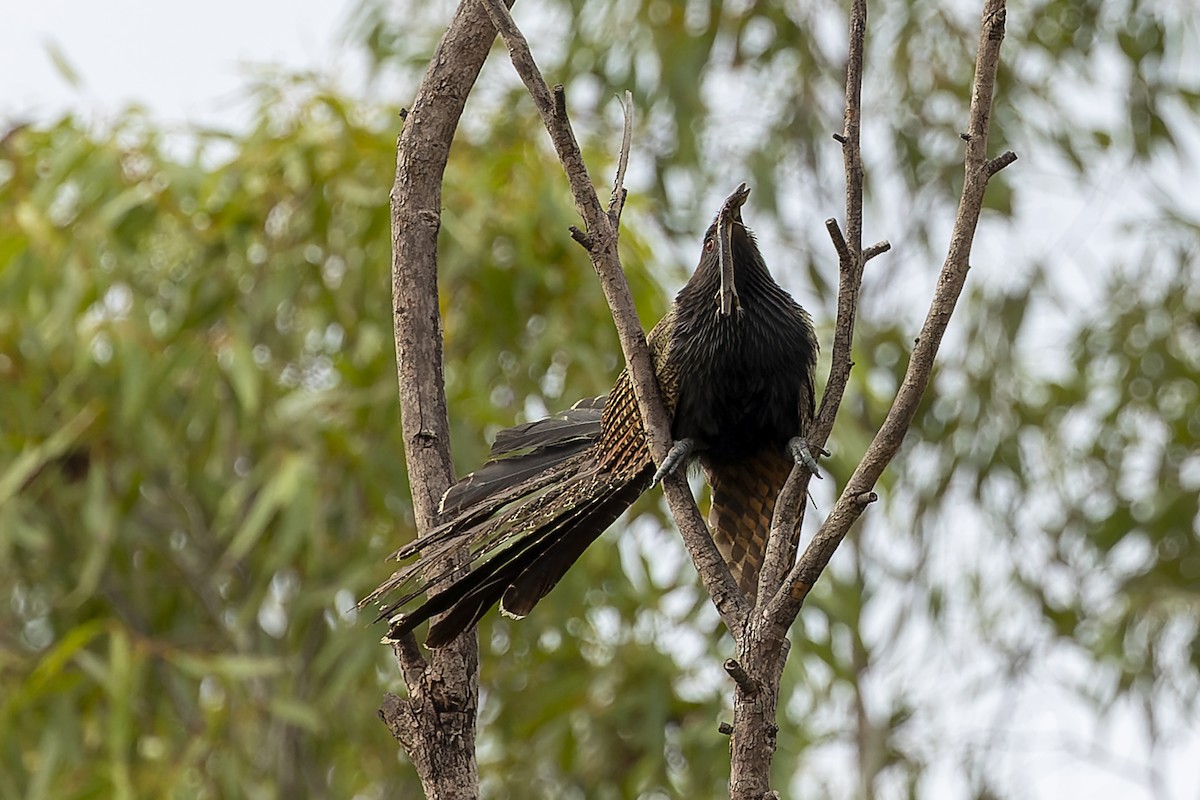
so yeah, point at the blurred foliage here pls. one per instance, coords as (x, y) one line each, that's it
(199, 460)
(201, 467)
(1097, 467)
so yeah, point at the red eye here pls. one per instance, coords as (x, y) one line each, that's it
(708, 246)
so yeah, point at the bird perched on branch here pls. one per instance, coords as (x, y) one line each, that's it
(734, 360)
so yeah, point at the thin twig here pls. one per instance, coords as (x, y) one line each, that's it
(730, 602)
(877, 249)
(839, 242)
(789, 509)
(858, 490)
(1000, 162)
(584, 240)
(616, 202)
(742, 678)
(849, 248)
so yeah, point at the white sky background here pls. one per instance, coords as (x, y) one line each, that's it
(190, 64)
(185, 62)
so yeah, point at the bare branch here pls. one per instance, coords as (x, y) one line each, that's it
(436, 723)
(849, 249)
(584, 240)
(877, 249)
(783, 540)
(858, 490)
(552, 108)
(785, 527)
(602, 248)
(839, 241)
(764, 648)
(1000, 162)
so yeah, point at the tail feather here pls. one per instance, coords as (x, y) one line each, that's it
(507, 535)
(525, 516)
(743, 503)
(480, 592)
(525, 451)
(536, 581)
(522, 573)
(465, 601)
(480, 528)
(503, 483)
(481, 531)
(580, 422)
(486, 586)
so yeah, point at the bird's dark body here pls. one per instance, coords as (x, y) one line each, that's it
(734, 360)
(742, 378)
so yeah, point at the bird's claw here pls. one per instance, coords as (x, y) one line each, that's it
(802, 455)
(678, 453)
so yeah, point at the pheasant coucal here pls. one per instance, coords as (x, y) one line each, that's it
(734, 359)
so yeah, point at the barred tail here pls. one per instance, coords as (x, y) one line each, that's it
(533, 564)
(525, 517)
(743, 502)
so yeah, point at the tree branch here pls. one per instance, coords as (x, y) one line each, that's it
(742, 678)
(600, 240)
(790, 506)
(858, 492)
(436, 723)
(763, 650)
(849, 248)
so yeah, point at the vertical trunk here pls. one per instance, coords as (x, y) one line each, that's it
(755, 704)
(436, 723)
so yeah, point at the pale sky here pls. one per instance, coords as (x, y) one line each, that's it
(185, 62)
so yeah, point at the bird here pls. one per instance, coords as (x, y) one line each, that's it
(734, 358)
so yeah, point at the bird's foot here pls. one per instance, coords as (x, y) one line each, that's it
(800, 452)
(678, 453)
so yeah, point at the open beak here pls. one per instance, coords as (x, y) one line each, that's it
(731, 211)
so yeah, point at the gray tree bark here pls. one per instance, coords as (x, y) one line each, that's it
(436, 722)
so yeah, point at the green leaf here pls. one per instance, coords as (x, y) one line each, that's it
(62, 65)
(280, 490)
(231, 667)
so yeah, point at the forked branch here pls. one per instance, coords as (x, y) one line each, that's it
(600, 240)
(858, 491)
(790, 507)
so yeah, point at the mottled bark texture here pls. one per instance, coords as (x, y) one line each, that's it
(436, 722)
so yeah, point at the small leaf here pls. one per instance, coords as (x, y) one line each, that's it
(62, 66)
(299, 714)
(280, 491)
